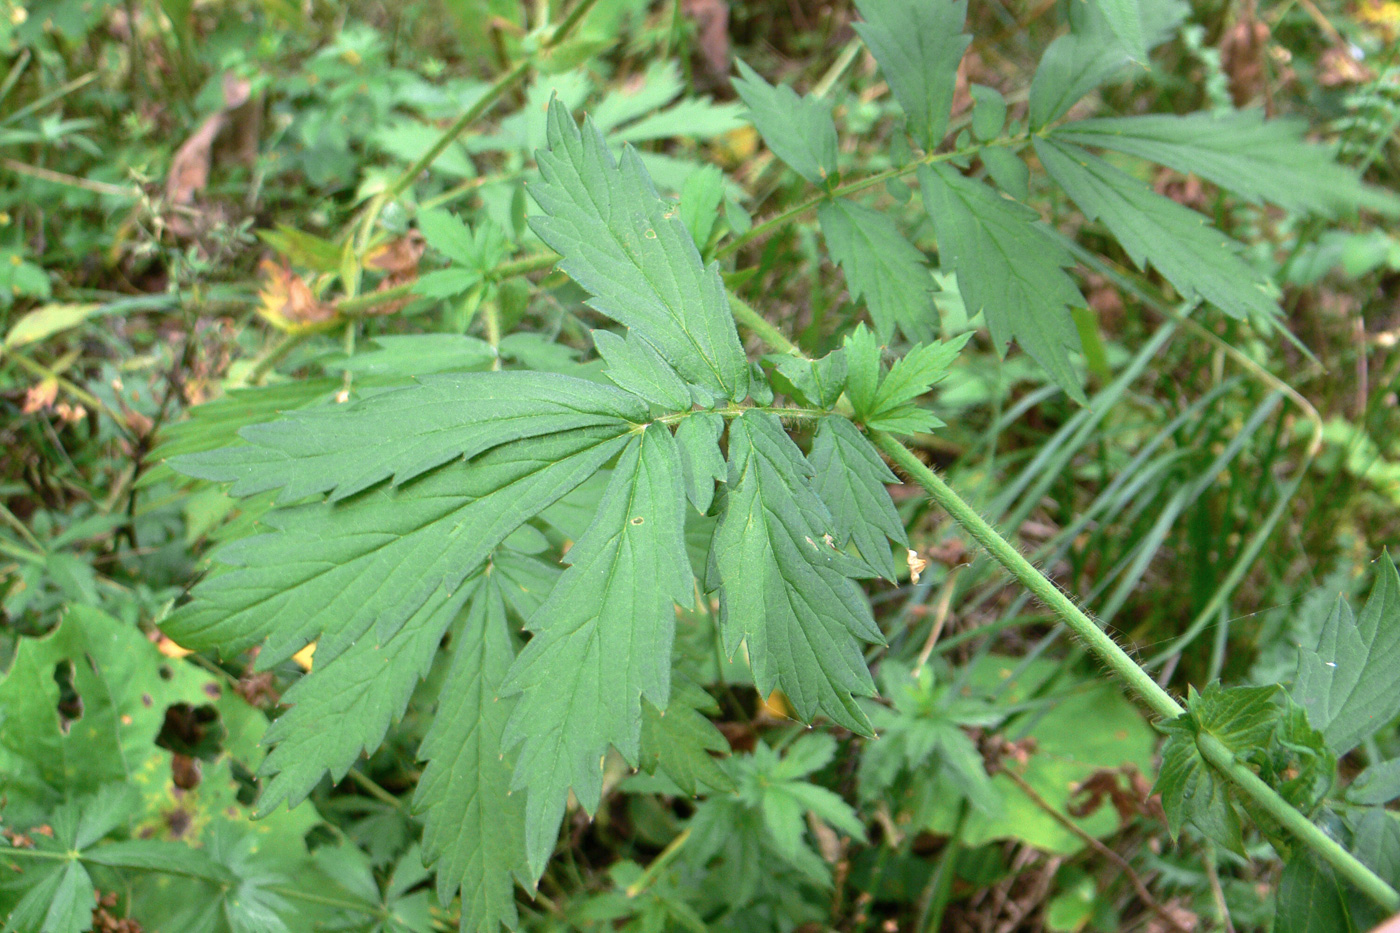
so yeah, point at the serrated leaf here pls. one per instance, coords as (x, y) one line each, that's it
(1258, 159)
(918, 46)
(798, 129)
(477, 250)
(786, 595)
(1243, 719)
(862, 369)
(1197, 259)
(884, 401)
(678, 741)
(474, 828)
(403, 433)
(698, 439)
(633, 253)
(602, 641)
(850, 478)
(637, 368)
(363, 690)
(881, 266)
(820, 381)
(1072, 66)
(407, 356)
(1008, 269)
(1349, 683)
(700, 202)
(1377, 784)
(335, 570)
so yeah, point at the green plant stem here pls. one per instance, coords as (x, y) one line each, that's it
(667, 855)
(759, 231)
(1329, 849)
(750, 319)
(1098, 641)
(274, 355)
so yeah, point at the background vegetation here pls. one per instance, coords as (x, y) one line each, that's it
(216, 212)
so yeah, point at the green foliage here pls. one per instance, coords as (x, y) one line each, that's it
(510, 537)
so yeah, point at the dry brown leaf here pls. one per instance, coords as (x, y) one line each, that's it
(192, 162)
(1242, 58)
(287, 302)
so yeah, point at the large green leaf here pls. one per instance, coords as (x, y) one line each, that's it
(335, 570)
(786, 594)
(633, 253)
(1350, 682)
(1197, 259)
(405, 432)
(850, 477)
(799, 130)
(474, 827)
(881, 266)
(1008, 269)
(602, 640)
(1258, 159)
(918, 44)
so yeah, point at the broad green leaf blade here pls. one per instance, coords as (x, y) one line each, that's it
(787, 595)
(1311, 899)
(1258, 159)
(1007, 268)
(850, 478)
(1072, 66)
(881, 266)
(408, 356)
(1124, 18)
(918, 44)
(216, 424)
(1196, 258)
(362, 690)
(698, 439)
(474, 828)
(1350, 682)
(633, 253)
(798, 129)
(862, 370)
(637, 368)
(60, 902)
(679, 739)
(170, 858)
(602, 640)
(406, 432)
(336, 570)
(988, 113)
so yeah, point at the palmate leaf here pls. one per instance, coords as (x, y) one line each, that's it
(1258, 159)
(336, 571)
(679, 739)
(633, 253)
(918, 44)
(602, 640)
(1007, 268)
(474, 827)
(403, 433)
(881, 266)
(1197, 259)
(786, 594)
(798, 129)
(1350, 682)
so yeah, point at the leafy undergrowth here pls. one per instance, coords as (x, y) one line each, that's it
(478, 475)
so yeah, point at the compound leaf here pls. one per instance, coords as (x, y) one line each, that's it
(1258, 159)
(881, 266)
(799, 130)
(336, 570)
(698, 439)
(602, 640)
(1197, 259)
(633, 253)
(850, 478)
(786, 594)
(403, 433)
(1349, 683)
(1007, 268)
(474, 828)
(918, 44)
(634, 366)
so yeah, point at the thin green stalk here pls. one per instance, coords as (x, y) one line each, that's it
(274, 355)
(1329, 849)
(1098, 641)
(667, 855)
